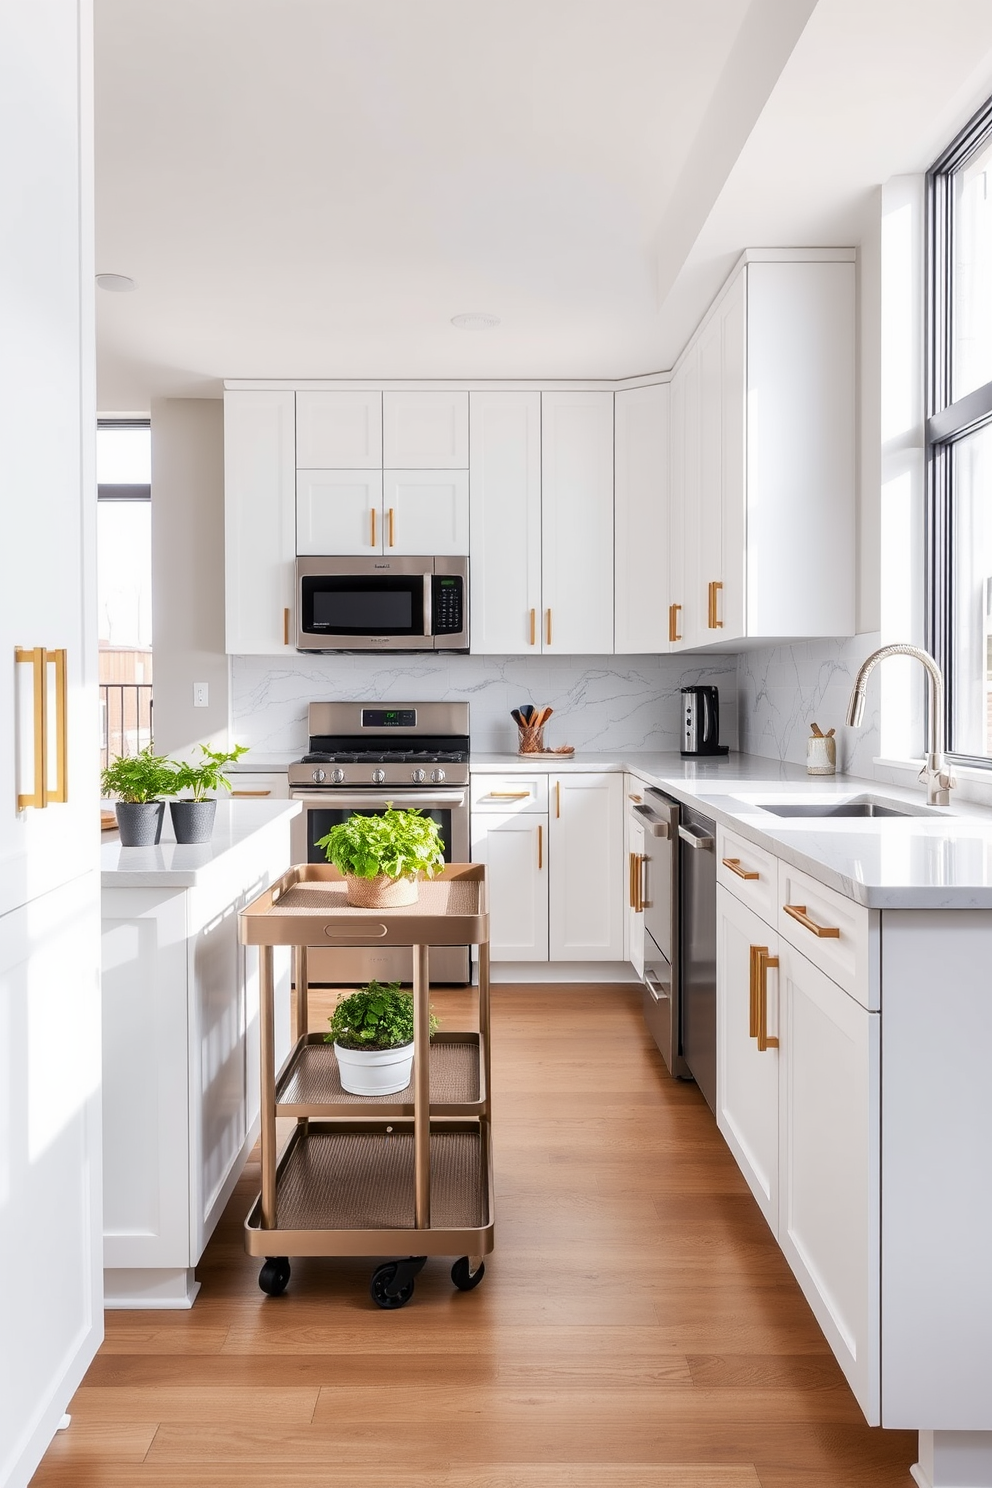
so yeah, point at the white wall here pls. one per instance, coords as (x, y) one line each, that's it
(188, 571)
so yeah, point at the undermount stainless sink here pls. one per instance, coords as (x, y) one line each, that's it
(857, 806)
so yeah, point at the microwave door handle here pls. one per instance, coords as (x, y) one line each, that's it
(428, 604)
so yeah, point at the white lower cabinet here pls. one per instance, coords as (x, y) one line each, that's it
(514, 848)
(747, 1080)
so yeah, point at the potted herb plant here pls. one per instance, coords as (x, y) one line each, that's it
(193, 818)
(372, 1034)
(139, 781)
(381, 855)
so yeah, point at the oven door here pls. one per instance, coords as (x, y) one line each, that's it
(324, 809)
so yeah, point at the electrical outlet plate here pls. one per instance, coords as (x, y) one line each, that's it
(201, 694)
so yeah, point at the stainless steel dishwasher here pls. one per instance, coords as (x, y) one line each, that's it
(697, 948)
(659, 816)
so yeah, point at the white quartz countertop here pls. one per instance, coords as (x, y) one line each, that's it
(182, 865)
(942, 860)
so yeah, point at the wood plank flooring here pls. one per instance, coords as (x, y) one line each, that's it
(637, 1326)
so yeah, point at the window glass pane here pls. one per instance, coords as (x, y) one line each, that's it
(972, 302)
(124, 575)
(971, 593)
(124, 456)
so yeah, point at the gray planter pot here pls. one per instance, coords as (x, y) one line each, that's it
(193, 821)
(140, 822)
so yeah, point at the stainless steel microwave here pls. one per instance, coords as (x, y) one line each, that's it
(382, 604)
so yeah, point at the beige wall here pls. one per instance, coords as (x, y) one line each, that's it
(188, 571)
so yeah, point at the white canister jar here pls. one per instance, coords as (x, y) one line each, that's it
(821, 754)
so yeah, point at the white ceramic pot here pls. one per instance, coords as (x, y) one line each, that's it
(375, 1071)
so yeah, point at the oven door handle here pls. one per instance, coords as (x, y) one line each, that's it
(334, 798)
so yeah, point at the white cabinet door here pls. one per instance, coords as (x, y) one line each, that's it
(425, 430)
(686, 614)
(586, 905)
(339, 512)
(51, 1246)
(635, 894)
(707, 528)
(425, 511)
(515, 849)
(259, 521)
(577, 521)
(829, 1162)
(505, 494)
(641, 519)
(747, 1075)
(733, 397)
(339, 430)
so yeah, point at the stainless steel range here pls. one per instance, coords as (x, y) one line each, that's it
(362, 758)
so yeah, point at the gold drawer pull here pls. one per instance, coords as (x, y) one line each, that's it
(251, 793)
(761, 964)
(824, 932)
(34, 657)
(508, 795)
(533, 627)
(392, 528)
(540, 847)
(285, 627)
(673, 622)
(711, 620)
(633, 798)
(549, 625)
(372, 538)
(734, 864)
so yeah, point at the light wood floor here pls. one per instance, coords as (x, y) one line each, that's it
(637, 1326)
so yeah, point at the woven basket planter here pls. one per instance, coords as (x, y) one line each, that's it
(382, 892)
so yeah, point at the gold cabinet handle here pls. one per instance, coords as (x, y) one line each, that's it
(630, 879)
(822, 932)
(372, 539)
(712, 603)
(540, 846)
(533, 627)
(549, 625)
(763, 964)
(251, 793)
(507, 795)
(638, 883)
(61, 792)
(673, 622)
(34, 656)
(734, 864)
(285, 627)
(634, 798)
(752, 1014)
(392, 527)
(557, 798)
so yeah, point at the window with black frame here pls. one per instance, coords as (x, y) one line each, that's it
(959, 433)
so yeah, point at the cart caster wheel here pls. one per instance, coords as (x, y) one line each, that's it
(383, 1279)
(463, 1278)
(274, 1275)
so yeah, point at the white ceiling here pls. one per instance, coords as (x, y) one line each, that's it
(312, 188)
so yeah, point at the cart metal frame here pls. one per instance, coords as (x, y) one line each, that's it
(301, 1201)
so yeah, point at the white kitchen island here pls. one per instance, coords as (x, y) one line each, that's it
(180, 1043)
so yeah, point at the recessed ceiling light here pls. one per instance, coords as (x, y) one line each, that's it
(116, 283)
(475, 322)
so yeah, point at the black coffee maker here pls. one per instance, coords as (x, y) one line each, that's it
(701, 722)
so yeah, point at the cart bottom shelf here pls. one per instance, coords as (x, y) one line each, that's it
(348, 1192)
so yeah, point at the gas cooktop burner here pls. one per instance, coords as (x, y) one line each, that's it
(389, 757)
(365, 745)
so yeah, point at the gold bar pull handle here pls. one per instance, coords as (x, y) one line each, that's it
(34, 656)
(557, 798)
(822, 932)
(540, 846)
(548, 632)
(251, 793)
(630, 879)
(734, 864)
(674, 611)
(285, 627)
(765, 964)
(373, 539)
(533, 627)
(753, 979)
(61, 791)
(712, 620)
(392, 528)
(508, 795)
(634, 798)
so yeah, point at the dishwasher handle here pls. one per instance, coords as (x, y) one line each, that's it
(696, 838)
(657, 990)
(651, 823)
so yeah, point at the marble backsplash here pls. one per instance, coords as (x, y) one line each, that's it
(600, 702)
(783, 689)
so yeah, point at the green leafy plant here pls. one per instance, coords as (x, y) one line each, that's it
(398, 844)
(209, 774)
(374, 1018)
(139, 778)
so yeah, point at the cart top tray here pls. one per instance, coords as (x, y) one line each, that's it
(308, 906)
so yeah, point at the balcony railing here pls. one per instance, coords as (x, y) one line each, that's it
(125, 718)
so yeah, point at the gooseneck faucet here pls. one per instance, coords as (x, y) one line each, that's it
(935, 772)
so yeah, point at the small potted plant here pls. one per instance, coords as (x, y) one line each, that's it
(139, 781)
(372, 1034)
(382, 855)
(193, 818)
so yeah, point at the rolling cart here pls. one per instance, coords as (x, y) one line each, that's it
(367, 1175)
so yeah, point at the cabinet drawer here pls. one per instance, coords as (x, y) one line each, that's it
(271, 787)
(749, 872)
(510, 793)
(838, 936)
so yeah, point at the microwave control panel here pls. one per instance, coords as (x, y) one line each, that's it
(446, 618)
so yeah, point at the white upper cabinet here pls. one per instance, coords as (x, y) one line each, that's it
(505, 487)
(339, 431)
(577, 521)
(425, 511)
(259, 520)
(339, 511)
(641, 519)
(425, 430)
(684, 514)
